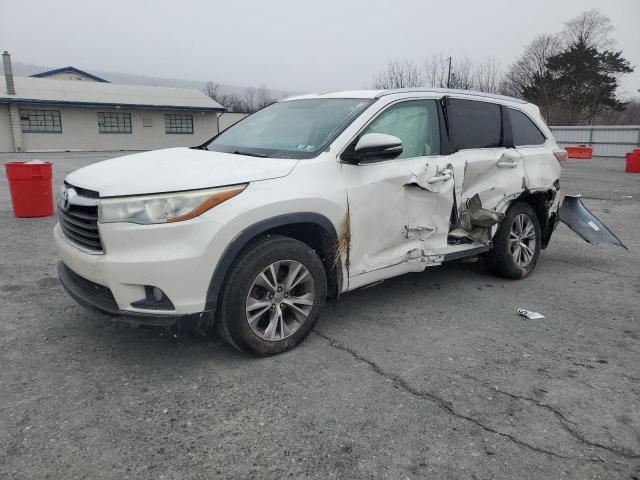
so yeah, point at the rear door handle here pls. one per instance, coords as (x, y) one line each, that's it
(507, 163)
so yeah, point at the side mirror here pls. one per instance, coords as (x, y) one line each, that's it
(373, 147)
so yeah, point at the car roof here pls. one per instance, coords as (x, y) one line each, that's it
(435, 92)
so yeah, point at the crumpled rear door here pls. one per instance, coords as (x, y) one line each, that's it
(578, 218)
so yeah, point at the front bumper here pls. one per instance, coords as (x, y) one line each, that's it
(177, 258)
(98, 297)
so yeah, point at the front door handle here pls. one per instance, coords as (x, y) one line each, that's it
(446, 175)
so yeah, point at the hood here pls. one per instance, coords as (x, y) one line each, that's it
(175, 169)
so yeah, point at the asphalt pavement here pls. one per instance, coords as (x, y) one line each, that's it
(429, 375)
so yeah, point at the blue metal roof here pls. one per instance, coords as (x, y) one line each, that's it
(70, 69)
(35, 101)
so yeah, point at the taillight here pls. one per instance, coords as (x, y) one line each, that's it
(561, 155)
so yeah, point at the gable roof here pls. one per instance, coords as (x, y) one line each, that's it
(31, 90)
(72, 70)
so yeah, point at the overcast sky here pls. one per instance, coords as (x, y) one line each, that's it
(288, 44)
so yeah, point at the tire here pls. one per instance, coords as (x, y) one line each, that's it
(259, 315)
(514, 261)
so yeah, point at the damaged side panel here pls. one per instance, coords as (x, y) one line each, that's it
(376, 222)
(399, 217)
(492, 174)
(485, 180)
(428, 203)
(475, 222)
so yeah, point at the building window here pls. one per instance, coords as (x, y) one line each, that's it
(177, 123)
(114, 122)
(41, 121)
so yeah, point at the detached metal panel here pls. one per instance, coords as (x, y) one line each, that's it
(606, 140)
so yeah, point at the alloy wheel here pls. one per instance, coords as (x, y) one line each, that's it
(280, 300)
(522, 239)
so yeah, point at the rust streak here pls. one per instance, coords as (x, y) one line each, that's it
(343, 246)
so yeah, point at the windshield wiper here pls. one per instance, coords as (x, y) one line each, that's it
(250, 154)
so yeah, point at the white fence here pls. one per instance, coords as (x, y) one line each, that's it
(607, 141)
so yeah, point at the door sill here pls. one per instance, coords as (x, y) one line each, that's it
(469, 252)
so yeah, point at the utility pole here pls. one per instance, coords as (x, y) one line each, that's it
(449, 75)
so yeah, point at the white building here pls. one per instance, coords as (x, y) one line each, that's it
(68, 109)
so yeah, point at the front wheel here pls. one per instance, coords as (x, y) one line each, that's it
(272, 296)
(516, 244)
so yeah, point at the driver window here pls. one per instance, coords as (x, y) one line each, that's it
(415, 123)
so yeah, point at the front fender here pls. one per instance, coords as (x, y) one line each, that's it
(244, 237)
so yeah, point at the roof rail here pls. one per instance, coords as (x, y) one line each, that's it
(453, 91)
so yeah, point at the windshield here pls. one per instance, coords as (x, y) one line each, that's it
(291, 129)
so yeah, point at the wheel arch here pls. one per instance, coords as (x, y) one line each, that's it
(311, 228)
(542, 201)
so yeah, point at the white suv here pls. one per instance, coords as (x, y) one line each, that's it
(309, 198)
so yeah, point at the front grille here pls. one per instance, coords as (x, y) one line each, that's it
(78, 218)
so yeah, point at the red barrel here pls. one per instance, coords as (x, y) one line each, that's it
(30, 185)
(633, 162)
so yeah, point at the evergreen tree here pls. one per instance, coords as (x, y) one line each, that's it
(583, 82)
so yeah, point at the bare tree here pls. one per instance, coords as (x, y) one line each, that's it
(486, 76)
(556, 72)
(435, 70)
(531, 66)
(261, 97)
(233, 102)
(264, 97)
(249, 100)
(463, 74)
(590, 28)
(257, 98)
(212, 90)
(629, 116)
(489, 76)
(399, 74)
(253, 99)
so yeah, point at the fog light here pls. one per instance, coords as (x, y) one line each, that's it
(155, 299)
(157, 294)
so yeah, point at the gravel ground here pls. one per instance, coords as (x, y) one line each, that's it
(429, 375)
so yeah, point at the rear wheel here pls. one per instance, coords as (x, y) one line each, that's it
(272, 296)
(516, 244)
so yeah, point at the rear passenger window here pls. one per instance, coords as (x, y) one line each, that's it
(525, 132)
(474, 124)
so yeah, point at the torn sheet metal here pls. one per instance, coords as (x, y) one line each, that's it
(475, 215)
(476, 221)
(480, 172)
(418, 231)
(435, 178)
(578, 218)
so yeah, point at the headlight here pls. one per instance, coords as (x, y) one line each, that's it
(165, 207)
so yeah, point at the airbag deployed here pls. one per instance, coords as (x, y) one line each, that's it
(575, 215)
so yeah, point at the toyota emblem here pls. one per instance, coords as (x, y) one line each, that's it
(65, 200)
